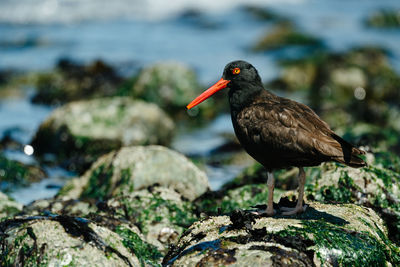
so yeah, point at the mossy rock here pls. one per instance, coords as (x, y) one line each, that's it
(257, 174)
(371, 135)
(161, 214)
(285, 34)
(15, 174)
(8, 207)
(360, 81)
(385, 18)
(72, 81)
(262, 13)
(71, 207)
(373, 186)
(226, 201)
(68, 241)
(134, 168)
(325, 235)
(172, 86)
(79, 132)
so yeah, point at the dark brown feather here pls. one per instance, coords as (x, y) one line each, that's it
(279, 133)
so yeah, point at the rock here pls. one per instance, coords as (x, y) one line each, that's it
(385, 18)
(8, 207)
(325, 235)
(71, 81)
(262, 14)
(172, 85)
(360, 82)
(161, 214)
(71, 207)
(133, 168)
(226, 201)
(79, 132)
(15, 174)
(63, 240)
(374, 186)
(285, 34)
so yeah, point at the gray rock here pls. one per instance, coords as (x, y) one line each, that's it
(325, 235)
(161, 214)
(8, 207)
(168, 84)
(63, 241)
(14, 174)
(133, 168)
(82, 131)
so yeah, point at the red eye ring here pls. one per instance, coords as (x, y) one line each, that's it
(236, 71)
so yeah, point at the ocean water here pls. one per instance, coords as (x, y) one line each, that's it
(204, 34)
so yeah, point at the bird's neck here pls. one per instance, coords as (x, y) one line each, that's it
(242, 95)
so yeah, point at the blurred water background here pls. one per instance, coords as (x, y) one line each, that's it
(130, 35)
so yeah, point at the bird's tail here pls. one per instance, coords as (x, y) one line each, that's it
(350, 154)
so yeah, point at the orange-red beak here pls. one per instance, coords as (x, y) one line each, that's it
(221, 84)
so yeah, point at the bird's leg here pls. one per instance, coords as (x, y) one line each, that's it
(271, 184)
(299, 206)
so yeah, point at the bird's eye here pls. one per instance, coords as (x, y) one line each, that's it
(236, 71)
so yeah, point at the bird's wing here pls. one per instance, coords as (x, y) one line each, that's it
(288, 126)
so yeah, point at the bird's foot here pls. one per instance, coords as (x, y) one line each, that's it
(292, 211)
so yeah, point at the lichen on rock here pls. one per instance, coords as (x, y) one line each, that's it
(61, 241)
(326, 235)
(134, 168)
(79, 132)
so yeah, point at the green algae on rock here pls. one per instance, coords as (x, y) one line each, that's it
(61, 241)
(361, 81)
(71, 81)
(326, 235)
(15, 174)
(160, 213)
(385, 18)
(8, 207)
(171, 85)
(374, 186)
(79, 132)
(226, 201)
(285, 34)
(133, 168)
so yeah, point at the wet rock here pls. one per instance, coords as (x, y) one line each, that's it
(385, 18)
(15, 174)
(71, 81)
(285, 34)
(79, 132)
(226, 201)
(8, 207)
(63, 240)
(71, 207)
(161, 214)
(361, 82)
(134, 168)
(370, 135)
(326, 235)
(262, 14)
(171, 85)
(375, 186)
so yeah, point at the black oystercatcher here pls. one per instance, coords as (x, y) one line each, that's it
(278, 132)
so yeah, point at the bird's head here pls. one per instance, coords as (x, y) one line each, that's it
(235, 73)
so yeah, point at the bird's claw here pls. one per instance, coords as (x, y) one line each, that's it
(292, 211)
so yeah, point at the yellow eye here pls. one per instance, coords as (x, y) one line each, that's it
(236, 71)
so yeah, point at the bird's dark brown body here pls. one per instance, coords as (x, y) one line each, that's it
(281, 133)
(276, 131)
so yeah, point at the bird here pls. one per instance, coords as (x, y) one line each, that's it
(278, 132)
